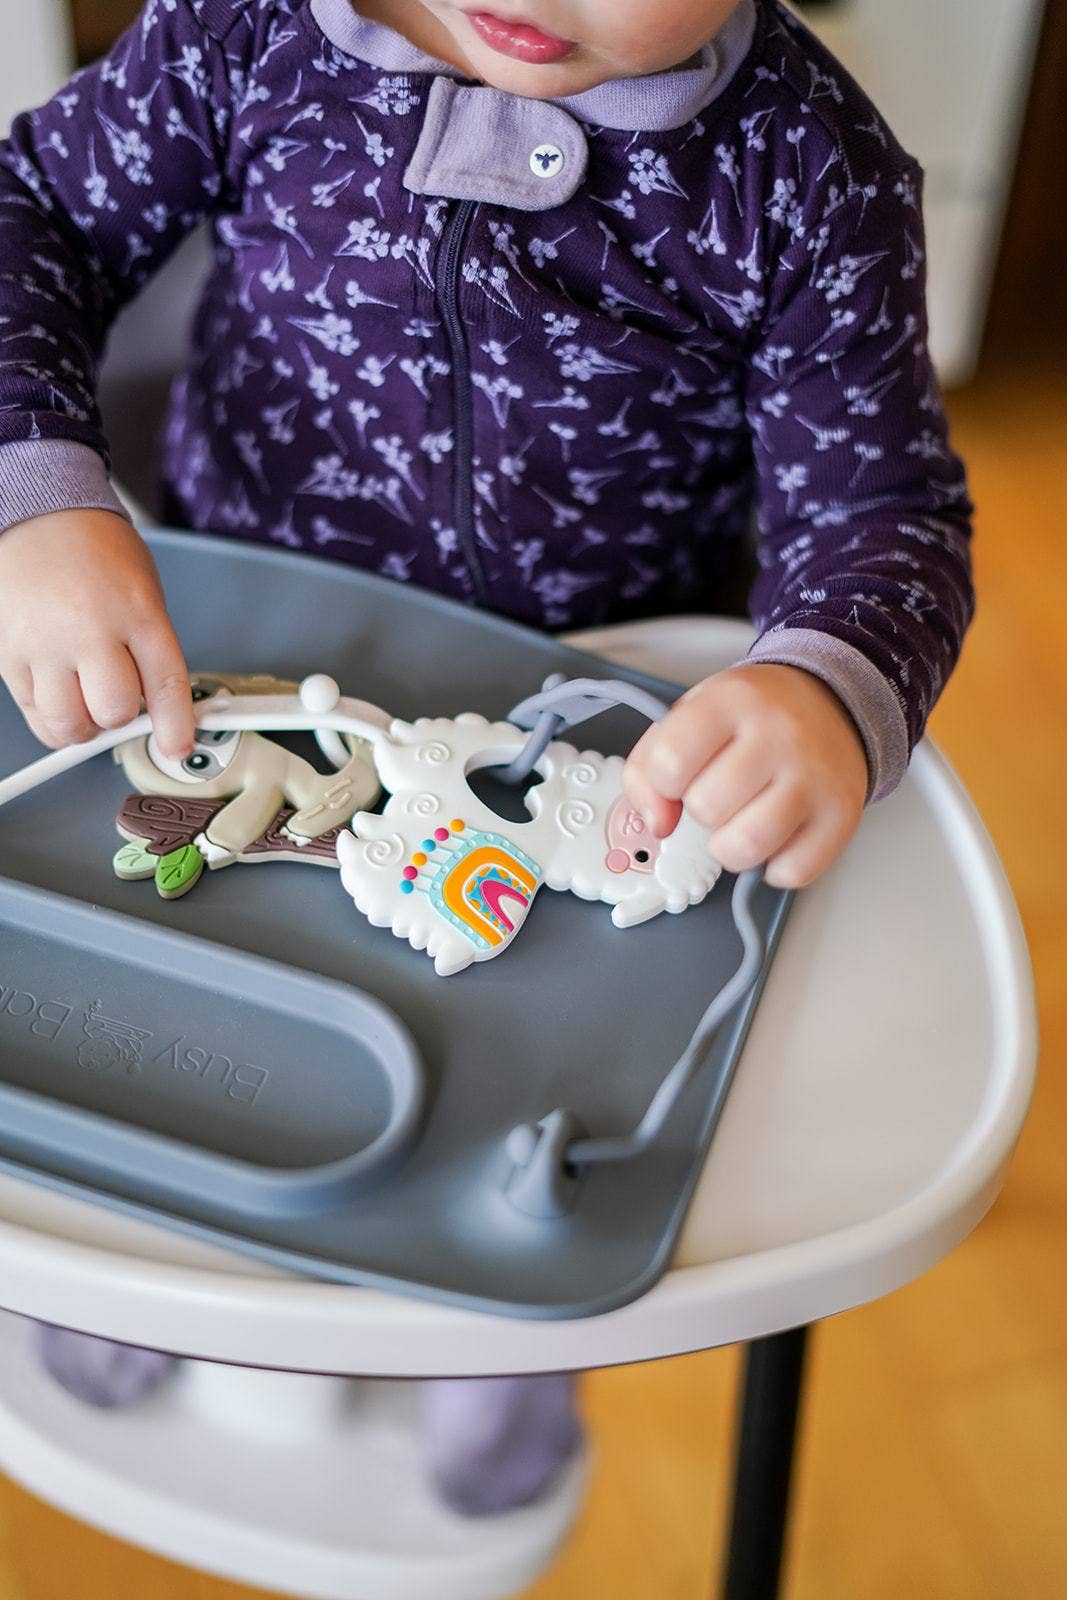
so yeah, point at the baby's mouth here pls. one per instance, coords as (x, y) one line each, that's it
(519, 40)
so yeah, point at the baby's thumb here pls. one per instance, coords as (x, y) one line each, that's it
(661, 815)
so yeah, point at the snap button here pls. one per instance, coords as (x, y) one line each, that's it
(546, 160)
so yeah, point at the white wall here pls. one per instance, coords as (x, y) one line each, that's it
(35, 53)
(952, 78)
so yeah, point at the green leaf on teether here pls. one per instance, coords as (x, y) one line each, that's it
(177, 872)
(134, 861)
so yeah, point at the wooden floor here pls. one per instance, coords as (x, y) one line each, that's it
(934, 1458)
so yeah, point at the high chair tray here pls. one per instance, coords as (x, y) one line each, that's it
(257, 1065)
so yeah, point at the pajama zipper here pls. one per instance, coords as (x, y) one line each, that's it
(447, 281)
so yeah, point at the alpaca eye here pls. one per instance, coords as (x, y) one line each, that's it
(641, 855)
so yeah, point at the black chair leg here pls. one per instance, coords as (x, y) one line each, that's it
(766, 1440)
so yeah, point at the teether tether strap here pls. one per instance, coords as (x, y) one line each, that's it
(537, 1184)
(588, 1152)
(258, 713)
(547, 1167)
(564, 703)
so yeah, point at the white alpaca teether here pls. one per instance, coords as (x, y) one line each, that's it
(448, 874)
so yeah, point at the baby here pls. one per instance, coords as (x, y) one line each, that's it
(531, 306)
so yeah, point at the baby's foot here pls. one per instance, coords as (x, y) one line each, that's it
(99, 1371)
(493, 1444)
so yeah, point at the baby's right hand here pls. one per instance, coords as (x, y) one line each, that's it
(84, 633)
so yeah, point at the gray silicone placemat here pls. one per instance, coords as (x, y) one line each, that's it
(577, 1013)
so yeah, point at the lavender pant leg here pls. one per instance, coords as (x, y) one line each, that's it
(492, 1444)
(99, 1371)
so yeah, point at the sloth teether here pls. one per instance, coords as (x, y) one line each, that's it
(236, 797)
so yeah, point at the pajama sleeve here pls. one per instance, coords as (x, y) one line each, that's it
(96, 189)
(864, 516)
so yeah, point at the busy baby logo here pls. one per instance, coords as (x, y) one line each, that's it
(240, 1081)
(43, 1018)
(99, 1041)
(108, 1042)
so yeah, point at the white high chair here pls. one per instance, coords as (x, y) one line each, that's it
(881, 1092)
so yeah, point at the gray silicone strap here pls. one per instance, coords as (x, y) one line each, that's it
(588, 1152)
(564, 703)
(547, 1159)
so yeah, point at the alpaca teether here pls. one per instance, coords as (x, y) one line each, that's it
(443, 871)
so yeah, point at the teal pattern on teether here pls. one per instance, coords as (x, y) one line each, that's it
(480, 882)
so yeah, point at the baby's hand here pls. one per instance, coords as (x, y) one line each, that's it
(768, 760)
(84, 633)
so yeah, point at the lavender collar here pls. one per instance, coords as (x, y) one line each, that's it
(651, 104)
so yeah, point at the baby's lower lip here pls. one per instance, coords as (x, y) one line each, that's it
(520, 40)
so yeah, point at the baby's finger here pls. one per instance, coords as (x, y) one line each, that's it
(735, 777)
(693, 733)
(801, 859)
(60, 715)
(165, 681)
(662, 816)
(111, 688)
(19, 680)
(759, 830)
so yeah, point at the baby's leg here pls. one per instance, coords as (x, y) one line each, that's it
(99, 1371)
(493, 1444)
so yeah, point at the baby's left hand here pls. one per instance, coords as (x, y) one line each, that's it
(765, 757)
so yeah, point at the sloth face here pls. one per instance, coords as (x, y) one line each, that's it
(211, 755)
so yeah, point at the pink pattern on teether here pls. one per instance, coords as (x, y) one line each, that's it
(632, 847)
(494, 892)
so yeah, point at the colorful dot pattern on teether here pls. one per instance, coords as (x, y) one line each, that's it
(479, 882)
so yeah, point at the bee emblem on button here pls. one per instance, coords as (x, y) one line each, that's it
(546, 161)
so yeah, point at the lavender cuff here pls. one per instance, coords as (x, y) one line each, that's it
(867, 696)
(42, 475)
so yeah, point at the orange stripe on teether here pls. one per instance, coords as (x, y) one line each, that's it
(460, 876)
